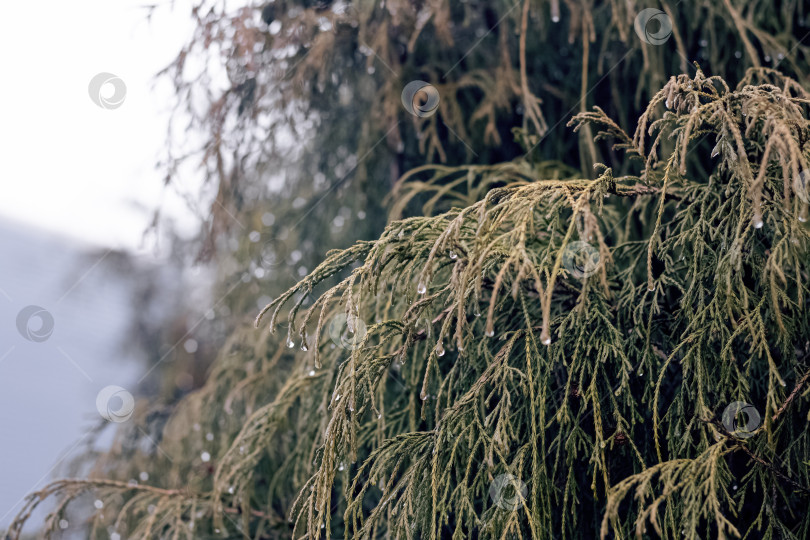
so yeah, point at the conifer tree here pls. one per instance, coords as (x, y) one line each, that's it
(569, 327)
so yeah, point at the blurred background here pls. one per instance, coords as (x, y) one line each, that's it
(77, 216)
(152, 204)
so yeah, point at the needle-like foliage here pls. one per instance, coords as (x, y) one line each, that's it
(588, 389)
(484, 382)
(545, 352)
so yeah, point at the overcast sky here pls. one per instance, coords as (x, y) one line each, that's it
(69, 166)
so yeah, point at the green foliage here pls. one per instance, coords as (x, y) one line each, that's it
(325, 82)
(585, 389)
(486, 354)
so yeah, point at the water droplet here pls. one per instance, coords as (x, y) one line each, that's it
(423, 395)
(290, 343)
(337, 397)
(341, 467)
(421, 288)
(555, 18)
(453, 255)
(640, 373)
(802, 219)
(304, 346)
(115, 536)
(242, 449)
(782, 383)
(440, 349)
(311, 372)
(651, 288)
(490, 333)
(547, 341)
(98, 504)
(63, 524)
(209, 436)
(144, 476)
(734, 487)
(379, 415)
(477, 312)
(206, 457)
(231, 490)
(758, 224)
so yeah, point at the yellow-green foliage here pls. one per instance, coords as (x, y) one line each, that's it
(584, 389)
(482, 348)
(487, 354)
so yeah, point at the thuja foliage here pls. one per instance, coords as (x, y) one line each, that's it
(596, 390)
(479, 353)
(292, 110)
(311, 96)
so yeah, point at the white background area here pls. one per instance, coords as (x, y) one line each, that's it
(68, 165)
(72, 176)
